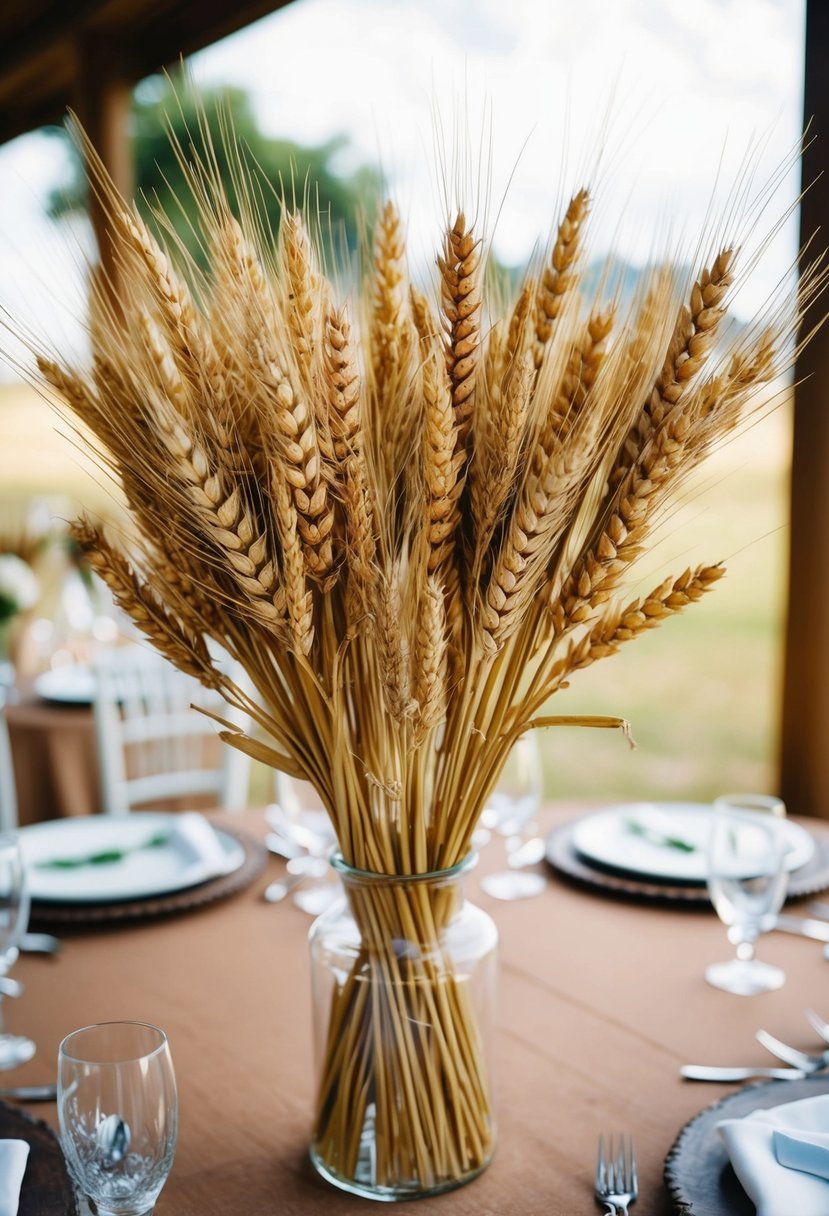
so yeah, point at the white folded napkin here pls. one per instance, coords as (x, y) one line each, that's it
(13, 1157)
(781, 1157)
(196, 836)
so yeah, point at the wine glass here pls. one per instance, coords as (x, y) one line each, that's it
(300, 818)
(747, 879)
(118, 1114)
(511, 812)
(14, 916)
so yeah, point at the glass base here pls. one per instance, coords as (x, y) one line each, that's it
(747, 977)
(89, 1207)
(15, 1049)
(513, 884)
(389, 1194)
(99, 1211)
(316, 900)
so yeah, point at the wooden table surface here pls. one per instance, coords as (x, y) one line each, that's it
(600, 1002)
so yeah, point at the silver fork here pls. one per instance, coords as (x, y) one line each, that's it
(617, 1185)
(793, 1055)
(817, 1023)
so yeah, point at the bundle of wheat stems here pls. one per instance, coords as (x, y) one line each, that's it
(410, 521)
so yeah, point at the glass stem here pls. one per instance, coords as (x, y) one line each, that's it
(745, 950)
(2, 1019)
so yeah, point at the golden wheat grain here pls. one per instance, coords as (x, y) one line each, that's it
(185, 649)
(559, 278)
(624, 624)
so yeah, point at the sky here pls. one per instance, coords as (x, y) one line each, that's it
(503, 109)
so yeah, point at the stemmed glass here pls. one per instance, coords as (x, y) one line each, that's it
(118, 1113)
(301, 819)
(14, 916)
(513, 806)
(747, 880)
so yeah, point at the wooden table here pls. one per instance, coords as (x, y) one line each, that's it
(600, 1002)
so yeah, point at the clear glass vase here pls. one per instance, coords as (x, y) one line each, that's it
(404, 975)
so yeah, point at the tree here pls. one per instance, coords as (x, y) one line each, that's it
(279, 168)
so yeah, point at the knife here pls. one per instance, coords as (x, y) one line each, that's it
(702, 1072)
(817, 930)
(31, 1093)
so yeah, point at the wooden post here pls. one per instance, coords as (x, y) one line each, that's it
(804, 776)
(104, 94)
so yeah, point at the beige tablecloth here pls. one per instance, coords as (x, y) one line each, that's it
(600, 1002)
(54, 756)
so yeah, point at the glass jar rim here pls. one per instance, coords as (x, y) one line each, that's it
(343, 867)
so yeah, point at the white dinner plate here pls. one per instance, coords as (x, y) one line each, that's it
(186, 859)
(73, 685)
(607, 839)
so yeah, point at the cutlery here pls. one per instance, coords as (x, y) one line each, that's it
(31, 1093)
(113, 1139)
(616, 1184)
(41, 943)
(791, 1055)
(817, 930)
(308, 866)
(276, 891)
(705, 1072)
(282, 846)
(818, 1024)
(531, 852)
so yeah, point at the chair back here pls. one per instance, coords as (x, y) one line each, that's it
(153, 746)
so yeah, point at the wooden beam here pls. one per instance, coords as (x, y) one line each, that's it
(103, 101)
(149, 35)
(804, 776)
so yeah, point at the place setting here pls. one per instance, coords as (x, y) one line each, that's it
(656, 851)
(101, 869)
(764, 1147)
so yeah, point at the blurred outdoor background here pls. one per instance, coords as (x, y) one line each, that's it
(660, 102)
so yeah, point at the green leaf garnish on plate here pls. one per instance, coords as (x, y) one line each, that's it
(636, 828)
(104, 857)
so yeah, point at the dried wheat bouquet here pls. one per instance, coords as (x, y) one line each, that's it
(408, 514)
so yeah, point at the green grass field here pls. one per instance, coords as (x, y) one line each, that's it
(701, 692)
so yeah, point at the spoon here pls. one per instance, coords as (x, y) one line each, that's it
(113, 1140)
(276, 891)
(39, 943)
(10, 987)
(276, 843)
(527, 854)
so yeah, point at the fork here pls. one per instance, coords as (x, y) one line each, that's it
(792, 1055)
(617, 1185)
(817, 1023)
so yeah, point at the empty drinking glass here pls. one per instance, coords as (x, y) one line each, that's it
(747, 879)
(15, 1049)
(118, 1113)
(511, 811)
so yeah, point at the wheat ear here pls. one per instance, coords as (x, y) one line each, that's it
(558, 277)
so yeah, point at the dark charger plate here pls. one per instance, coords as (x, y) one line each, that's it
(698, 1173)
(810, 879)
(46, 1189)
